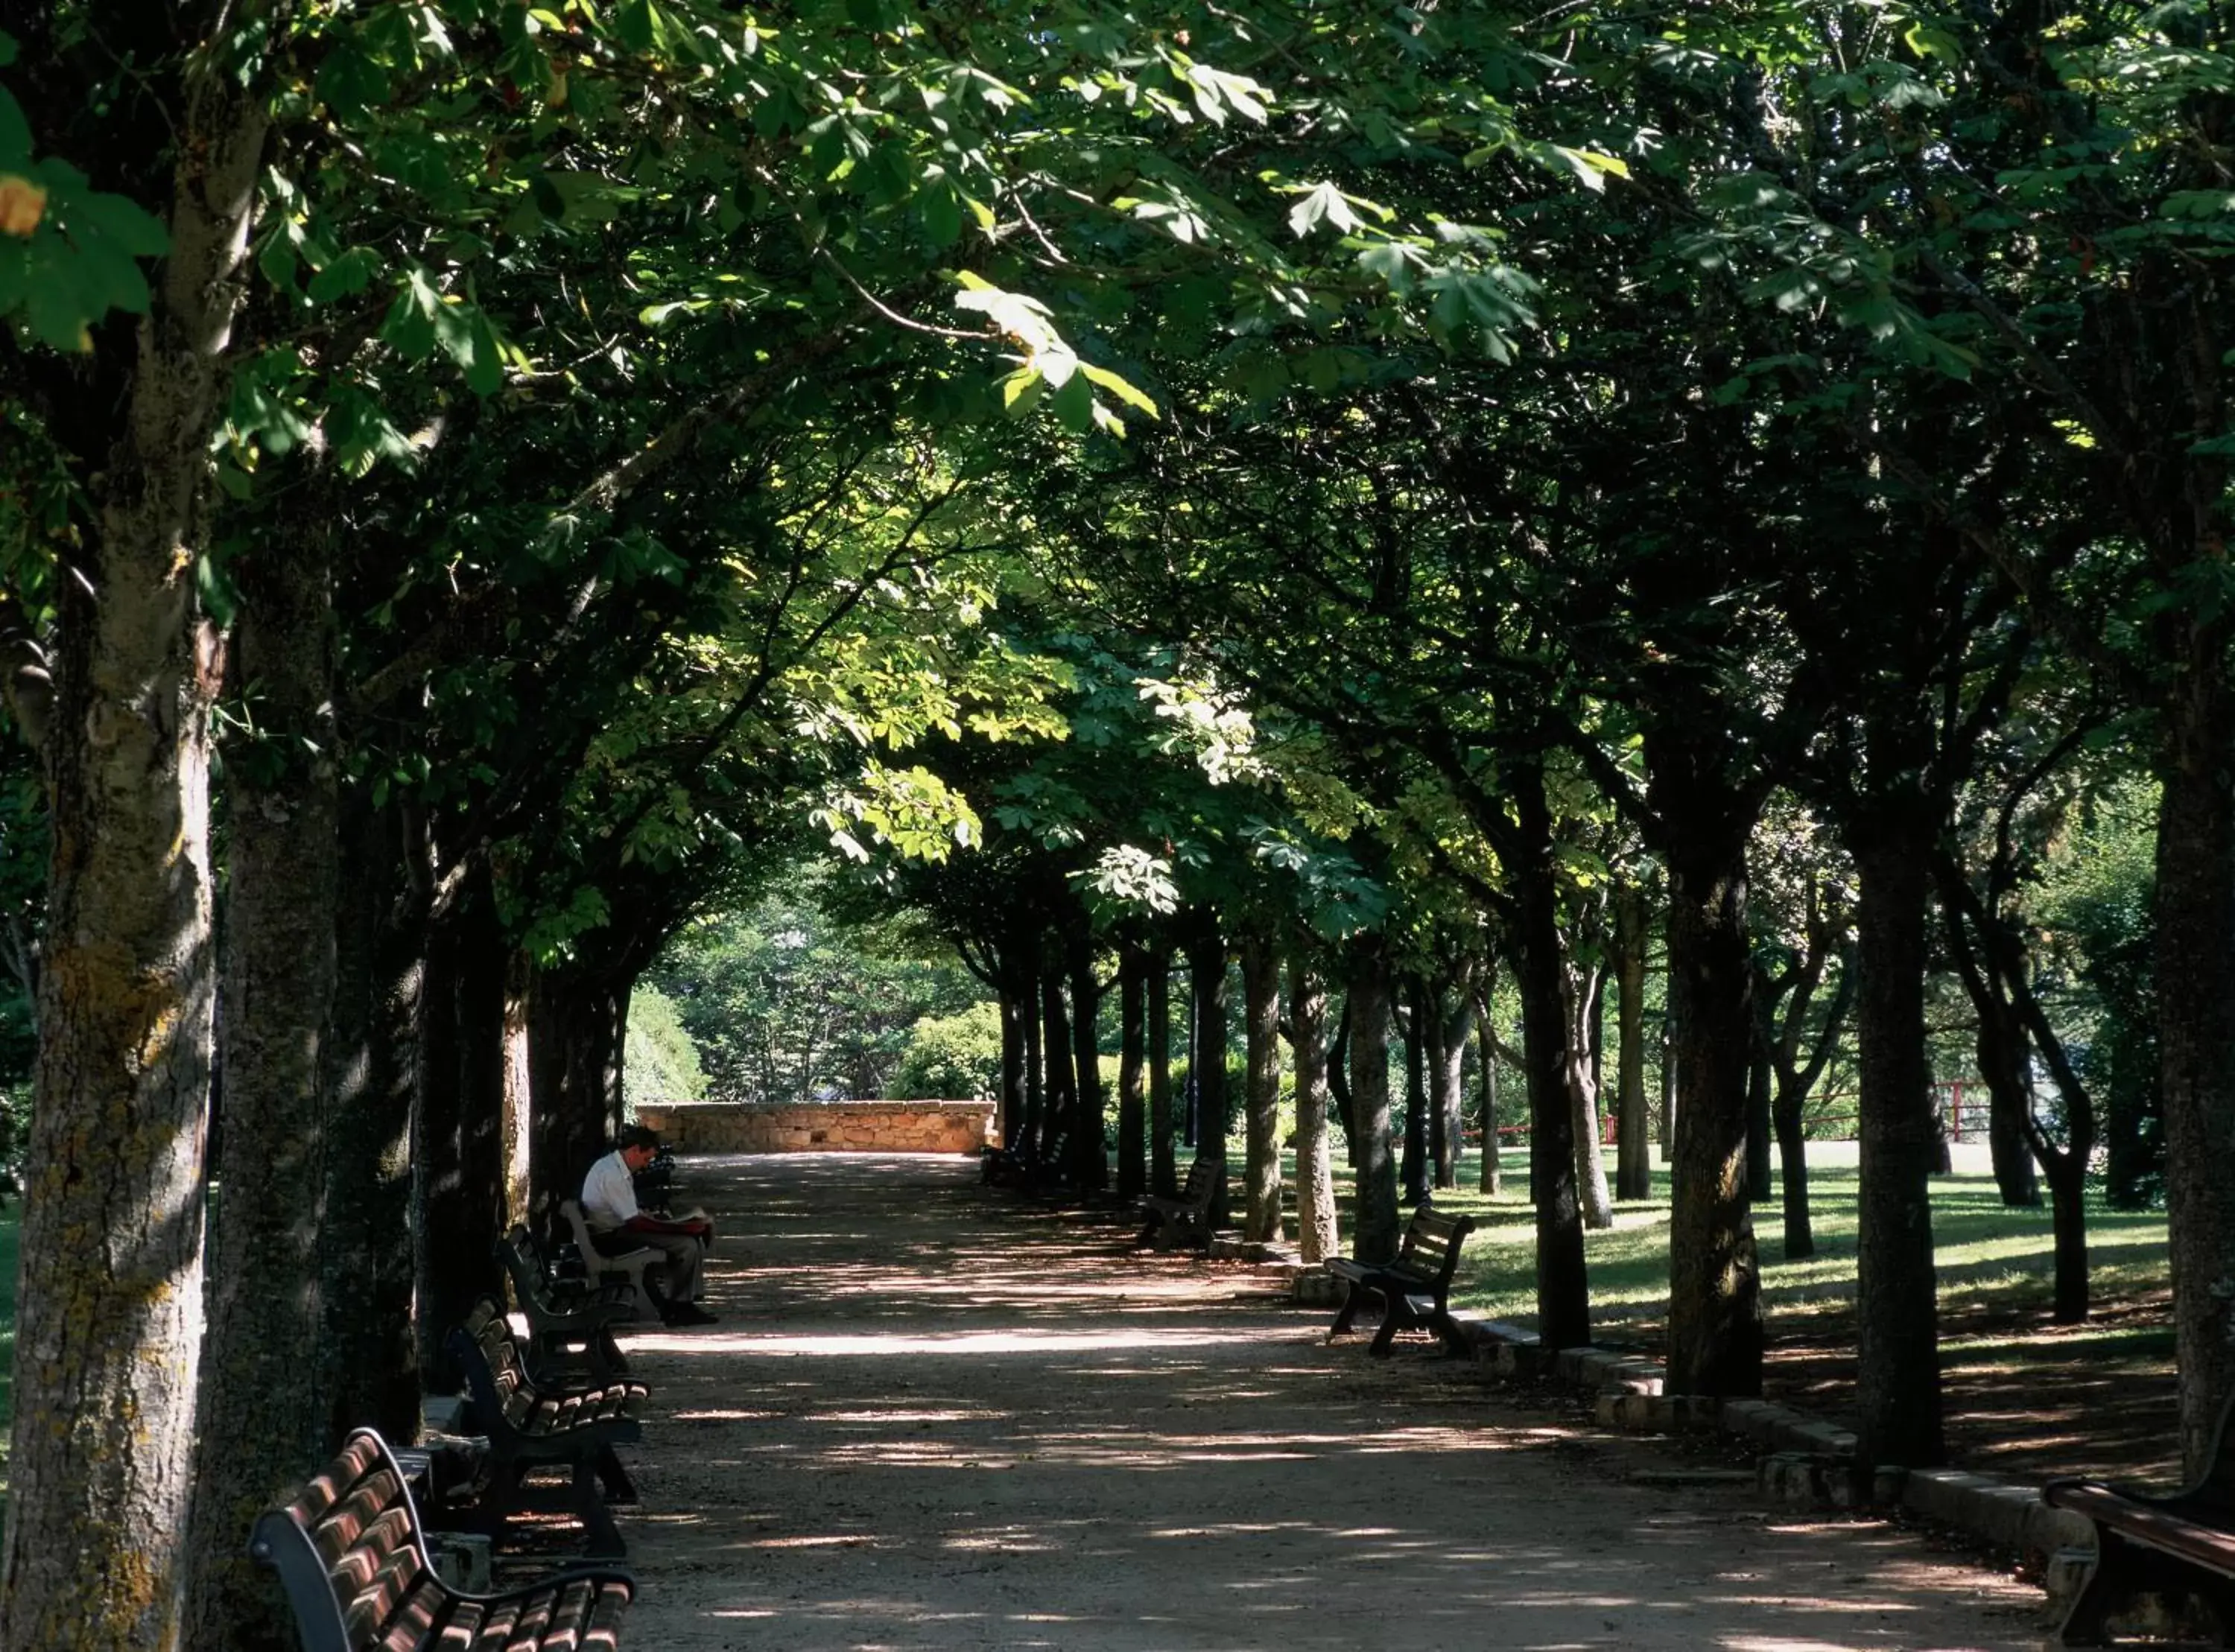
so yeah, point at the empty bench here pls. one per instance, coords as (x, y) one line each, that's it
(2183, 1544)
(570, 1326)
(1186, 1220)
(1415, 1289)
(529, 1427)
(351, 1556)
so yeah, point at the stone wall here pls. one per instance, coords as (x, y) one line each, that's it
(820, 1127)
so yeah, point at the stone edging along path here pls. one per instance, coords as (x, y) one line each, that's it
(1804, 1460)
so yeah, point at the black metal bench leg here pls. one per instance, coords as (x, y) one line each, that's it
(601, 1538)
(1351, 1304)
(620, 1488)
(2109, 1586)
(1379, 1346)
(1448, 1329)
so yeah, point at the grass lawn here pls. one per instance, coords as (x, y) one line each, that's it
(2024, 1396)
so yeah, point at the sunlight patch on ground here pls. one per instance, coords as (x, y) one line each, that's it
(849, 1344)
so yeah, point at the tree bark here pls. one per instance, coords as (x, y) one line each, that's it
(574, 1076)
(1714, 1309)
(1897, 1377)
(1413, 1171)
(1579, 995)
(1260, 996)
(108, 1329)
(1090, 1162)
(1207, 1070)
(371, 1367)
(2195, 915)
(1367, 1020)
(262, 1405)
(1760, 1121)
(1012, 1069)
(1454, 1022)
(1493, 1175)
(1059, 1105)
(1633, 1173)
(1132, 1109)
(1163, 1171)
(1563, 1301)
(1028, 1018)
(1317, 1238)
(458, 1151)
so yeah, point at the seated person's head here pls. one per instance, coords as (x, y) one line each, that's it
(638, 1144)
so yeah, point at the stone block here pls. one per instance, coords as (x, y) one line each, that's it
(1999, 1510)
(1316, 1288)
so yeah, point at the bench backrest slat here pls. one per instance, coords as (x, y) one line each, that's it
(350, 1553)
(1432, 1243)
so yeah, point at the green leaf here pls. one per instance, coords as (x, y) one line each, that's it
(349, 83)
(350, 273)
(1120, 386)
(941, 214)
(14, 131)
(1074, 404)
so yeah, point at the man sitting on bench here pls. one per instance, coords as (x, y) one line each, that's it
(616, 1225)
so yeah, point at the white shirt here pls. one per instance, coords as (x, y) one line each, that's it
(609, 1194)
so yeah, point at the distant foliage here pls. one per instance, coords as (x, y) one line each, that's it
(662, 1063)
(2096, 904)
(952, 1058)
(786, 1004)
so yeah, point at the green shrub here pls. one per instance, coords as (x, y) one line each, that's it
(952, 1058)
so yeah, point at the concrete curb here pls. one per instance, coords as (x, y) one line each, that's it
(1803, 1459)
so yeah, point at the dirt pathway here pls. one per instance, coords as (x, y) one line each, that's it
(939, 1416)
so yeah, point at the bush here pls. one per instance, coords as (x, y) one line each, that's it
(661, 1063)
(952, 1058)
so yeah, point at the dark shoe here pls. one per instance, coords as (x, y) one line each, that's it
(687, 1314)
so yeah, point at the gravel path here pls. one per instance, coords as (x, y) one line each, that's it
(936, 1415)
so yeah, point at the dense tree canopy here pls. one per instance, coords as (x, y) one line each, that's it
(1427, 504)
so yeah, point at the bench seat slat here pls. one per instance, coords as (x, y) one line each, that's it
(377, 1591)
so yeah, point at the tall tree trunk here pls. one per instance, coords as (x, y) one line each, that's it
(1090, 1162)
(519, 1207)
(1449, 1079)
(1486, 1041)
(1060, 1108)
(1366, 1018)
(108, 1328)
(1315, 1209)
(1036, 1105)
(1563, 1301)
(1633, 1174)
(1897, 1378)
(2195, 917)
(1132, 1110)
(371, 1366)
(262, 1415)
(1715, 1276)
(1206, 1071)
(574, 1076)
(1580, 986)
(1260, 997)
(1163, 1172)
(458, 1154)
(1412, 1173)
(1669, 1079)
(1339, 1095)
(1760, 1123)
(1013, 1069)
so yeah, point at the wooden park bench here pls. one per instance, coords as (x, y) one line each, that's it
(624, 1266)
(1186, 1220)
(1415, 1289)
(1038, 1164)
(528, 1428)
(570, 1326)
(2183, 1544)
(353, 1560)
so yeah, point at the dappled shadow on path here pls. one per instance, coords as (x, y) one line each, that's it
(938, 1415)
